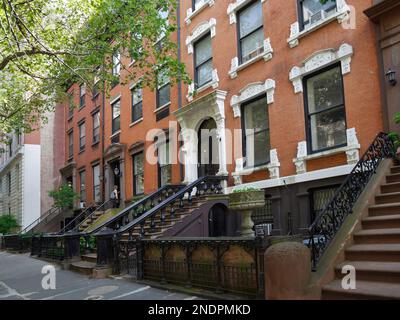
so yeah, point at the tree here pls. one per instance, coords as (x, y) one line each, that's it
(47, 45)
(64, 197)
(8, 223)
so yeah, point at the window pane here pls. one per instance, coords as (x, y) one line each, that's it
(256, 115)
(116, 63)
(137, 112)
(163, 95)
(325, 90)
(96, 183)
(116, 109)
(136, 96)
(252, 46)
(96, 120)
(165, 175)
(203, 50)
(204, 73)
(163, 154)
(314, 10)
(328, 129)
(250, 19)
(138, 172)
(197, 3)
(261, 148)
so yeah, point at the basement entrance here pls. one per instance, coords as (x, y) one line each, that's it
(208, 157)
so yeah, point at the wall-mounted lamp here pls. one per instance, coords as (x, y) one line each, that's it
(391, 76)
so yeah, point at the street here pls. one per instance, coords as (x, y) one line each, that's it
(21, 279)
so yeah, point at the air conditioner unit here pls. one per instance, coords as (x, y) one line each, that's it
(318, 16)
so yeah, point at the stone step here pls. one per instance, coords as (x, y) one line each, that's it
(364, 290)
(90, 257)
(376, 236)
(384, 209)
(390, 187)
(381, 222)
(385, 198)
(84, 267)
(374, 252)
(395, 169)
(391, 178)
(372, 271)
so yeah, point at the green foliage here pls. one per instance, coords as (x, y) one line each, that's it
(64, 197)
(8, 224)
(394, 135)
(87, 245)
(47, 45)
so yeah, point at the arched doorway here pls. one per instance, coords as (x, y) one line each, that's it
(208, 153)
(217, 221)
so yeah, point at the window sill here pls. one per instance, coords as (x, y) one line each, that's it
(81, 107)
(95, 144)
(266, 55)
(214, 83)
(115, 134)
(247, 171)
(296, 34)
(136, 122)
(162, 107)
(190, 14)
(95, 96)
(327, 153)
(70, 118)
(81, 151)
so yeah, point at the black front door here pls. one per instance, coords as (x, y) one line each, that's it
(217, 221)
(208, 158)
(116, 176)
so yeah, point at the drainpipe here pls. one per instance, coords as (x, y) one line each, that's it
(103, 192)
(178, 21)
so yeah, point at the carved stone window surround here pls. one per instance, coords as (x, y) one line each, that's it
(190, 14)
(234, 7)
(342, 14)
(199, 31)
(251, 91)
(319, 60)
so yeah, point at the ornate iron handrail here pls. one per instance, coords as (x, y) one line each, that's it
(201, 186)
(328, 222)
(43, 217)
(138, 208)
(86, 216)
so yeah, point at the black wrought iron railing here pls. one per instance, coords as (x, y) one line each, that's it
(45, 218)
(326, 225)
(158, 215)
(85, 215)
(138, 208)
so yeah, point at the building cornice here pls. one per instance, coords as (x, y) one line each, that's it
(381, 8)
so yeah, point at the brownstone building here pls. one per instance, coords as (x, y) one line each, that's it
(298, 80)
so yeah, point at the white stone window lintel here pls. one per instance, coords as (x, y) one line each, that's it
(251, 91)
(190, 14)
(199, 31)
(234, 7)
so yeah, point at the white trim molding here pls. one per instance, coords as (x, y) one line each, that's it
(319, 60)
(234, 7)
(273, 168)
(266, 55)
(352, 152)
(199, 31)
(214, 83)
(251, 91)
(190, 14)
(342, 14)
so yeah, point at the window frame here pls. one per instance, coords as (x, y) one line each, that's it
(82, 191)
(70, 144)
(300, 14)
(239, 38)
(159, 166)
(82, 97)
(138, 104)
(159, 88)
(244, 137)
(96, 185)
(113, 129)
(82, 139)
(308, 115)
(135, 175)
(94, 128)
(197, 67)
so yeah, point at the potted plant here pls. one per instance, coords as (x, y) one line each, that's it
(245, 200)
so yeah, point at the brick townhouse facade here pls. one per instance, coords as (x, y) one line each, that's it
(303, 76)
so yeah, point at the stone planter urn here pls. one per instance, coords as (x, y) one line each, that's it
(245, 202)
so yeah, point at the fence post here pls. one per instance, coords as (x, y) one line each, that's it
(72, 245)
(105, 248)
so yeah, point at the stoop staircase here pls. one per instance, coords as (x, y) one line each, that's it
(375, 253)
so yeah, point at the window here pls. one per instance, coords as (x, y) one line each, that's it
(313, 11)
(10, 147)
(250, 30)
(82, 95)
(96, 183)
(163, 14)
(164, 164)
(203, 61)
(196, 4)
(96, 127)
(256, 135)
(137, 104)
(326, 119)
(116, 112)
(82, 136)
(116, 61)
(82, 181)
(70, 105)
(163, 90)
(320, 198)
(138, 173)
(70, 144)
